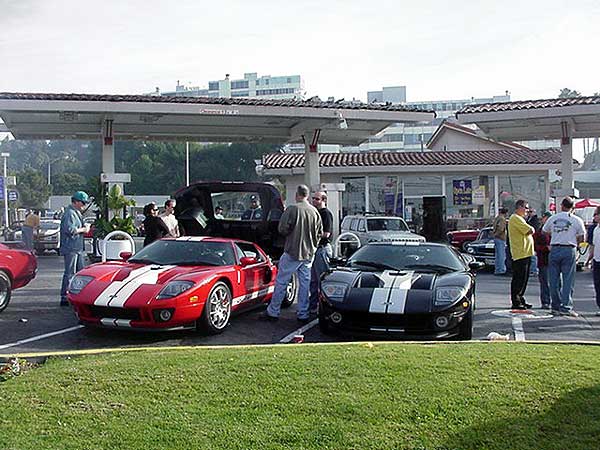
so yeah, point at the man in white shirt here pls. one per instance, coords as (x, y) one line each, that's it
(594, 256)
(566, 231)
(169, 219)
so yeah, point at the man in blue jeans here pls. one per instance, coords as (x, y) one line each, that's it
(566, 232)
(72, 245)
(301, 225)
(499, 231)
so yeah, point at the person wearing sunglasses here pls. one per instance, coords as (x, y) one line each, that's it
(154, 227)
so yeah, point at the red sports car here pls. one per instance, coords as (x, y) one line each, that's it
(17, 268)
(188, 282)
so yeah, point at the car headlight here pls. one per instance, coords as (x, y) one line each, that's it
(78, 283)
(449, 295)
(174, 288)
(470, 249)
(334, 291)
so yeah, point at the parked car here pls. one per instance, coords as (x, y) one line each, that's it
(91, 221)
(377, 228)
(17, 268)
(48, 237)
(361, 229)
(15, 231)
(483, 248)
(460, 238)
(409, 289)
(188, 282)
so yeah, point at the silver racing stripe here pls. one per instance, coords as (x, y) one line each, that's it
(391, 298)
(397, 301)
(379, 300)
(119, 292)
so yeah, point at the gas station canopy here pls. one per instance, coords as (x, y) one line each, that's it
(559, 118)
(144, 117)
(536, 119)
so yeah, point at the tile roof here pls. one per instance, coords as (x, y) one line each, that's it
(446, 124)
(529, 104)
(426, 158)
(310, 103)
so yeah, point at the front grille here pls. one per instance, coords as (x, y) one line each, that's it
(114, 313)
(409, 322)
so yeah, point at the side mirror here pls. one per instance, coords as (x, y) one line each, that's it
(247, 261)
(476, 265)
(125, 255)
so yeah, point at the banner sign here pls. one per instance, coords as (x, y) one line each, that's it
(462, 192)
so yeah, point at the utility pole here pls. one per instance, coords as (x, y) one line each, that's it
(5, 191)
(187, 163)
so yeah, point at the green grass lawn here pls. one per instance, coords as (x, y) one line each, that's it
(380, 396)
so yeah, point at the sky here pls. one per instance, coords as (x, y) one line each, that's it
(437, 49)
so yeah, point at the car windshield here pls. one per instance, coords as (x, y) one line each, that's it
(412, 257)
(49, 226)
(387, 224)
(485, 235)
(200, 253)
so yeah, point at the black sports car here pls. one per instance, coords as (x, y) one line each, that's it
(402, 289)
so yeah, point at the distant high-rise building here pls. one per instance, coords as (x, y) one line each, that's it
(251, 86)
(391, 94)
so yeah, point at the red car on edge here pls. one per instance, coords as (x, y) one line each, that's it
(461, 238)
(17, 268)
(188, 282)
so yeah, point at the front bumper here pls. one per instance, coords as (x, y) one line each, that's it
(417, 326)
(141, 319)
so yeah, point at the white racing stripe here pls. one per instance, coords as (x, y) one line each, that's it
(379, 300)
(252, 295)
(150, 277)
(119, 291)
(392, 297)
(399, 292)
(105, 297)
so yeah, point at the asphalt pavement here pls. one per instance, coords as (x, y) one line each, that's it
(34, 321)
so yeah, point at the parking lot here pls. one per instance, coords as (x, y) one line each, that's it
(34, 321)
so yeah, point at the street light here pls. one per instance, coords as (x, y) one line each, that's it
(4, 191)
(65, 157)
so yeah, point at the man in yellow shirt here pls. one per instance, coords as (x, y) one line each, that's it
(520, 235)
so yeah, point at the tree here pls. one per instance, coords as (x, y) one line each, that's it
(33, 188)
(67, 183)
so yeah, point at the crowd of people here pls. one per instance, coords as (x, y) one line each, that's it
(307, 228)
(546, 247)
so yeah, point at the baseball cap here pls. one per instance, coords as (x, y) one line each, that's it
(81, 196)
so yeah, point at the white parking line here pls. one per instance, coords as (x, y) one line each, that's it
(517, 325)
(40, 337)
(300, 330)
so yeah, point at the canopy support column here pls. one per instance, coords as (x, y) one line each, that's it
(108, 149)
(566, 147)
(312, 175)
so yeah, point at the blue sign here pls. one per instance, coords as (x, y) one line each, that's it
(13, 196)
(1, 188)
(462, 192)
